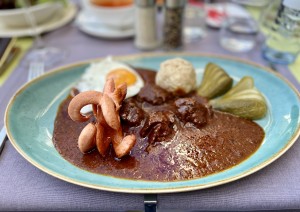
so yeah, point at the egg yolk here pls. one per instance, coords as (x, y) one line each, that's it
(122, 75)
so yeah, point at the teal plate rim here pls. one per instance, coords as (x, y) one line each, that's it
(108, 183)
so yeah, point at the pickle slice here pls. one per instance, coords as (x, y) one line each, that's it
(243, 100)
(244, 84)
(215, 82)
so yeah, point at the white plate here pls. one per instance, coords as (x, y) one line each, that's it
(91, 26)
(58, 20)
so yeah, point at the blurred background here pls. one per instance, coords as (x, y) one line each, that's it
(244, 28)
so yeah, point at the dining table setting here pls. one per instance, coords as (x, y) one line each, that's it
(237, 62)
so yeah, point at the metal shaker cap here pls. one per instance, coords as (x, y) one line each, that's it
(145, 3)
(175, 3)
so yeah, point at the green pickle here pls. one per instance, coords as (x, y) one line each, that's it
(243, 100)
(215, 82)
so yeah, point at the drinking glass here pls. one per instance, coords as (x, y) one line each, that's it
(194, 22)
(239, 30)
(238, 34)
(281, 25)
(48, 55)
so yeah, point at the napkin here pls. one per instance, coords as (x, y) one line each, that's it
(23, 44)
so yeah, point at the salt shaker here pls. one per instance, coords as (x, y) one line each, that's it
(145, 25)
(173, 23)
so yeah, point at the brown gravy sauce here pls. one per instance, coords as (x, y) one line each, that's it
(178, 138)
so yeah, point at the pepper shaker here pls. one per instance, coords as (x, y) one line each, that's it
(173, 23)
(145, 25)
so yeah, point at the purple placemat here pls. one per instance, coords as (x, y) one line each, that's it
(24, 187)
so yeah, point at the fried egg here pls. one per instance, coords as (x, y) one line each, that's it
(96, 74)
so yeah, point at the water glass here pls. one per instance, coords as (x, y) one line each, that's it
(281, 24)
(238, 34)
(194, 23)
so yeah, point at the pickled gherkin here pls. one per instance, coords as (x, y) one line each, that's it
(243, 100)
(215, 82)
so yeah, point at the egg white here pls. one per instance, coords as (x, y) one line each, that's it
(94, 78)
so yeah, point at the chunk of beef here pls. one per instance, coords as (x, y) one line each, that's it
(153, 94)
(158, 126)
(190, 110)
(130, 113)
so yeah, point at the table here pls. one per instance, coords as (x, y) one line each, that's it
(24, 187)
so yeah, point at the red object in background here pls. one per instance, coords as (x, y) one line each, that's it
(111, 3)
(196, 3)
(215, 14)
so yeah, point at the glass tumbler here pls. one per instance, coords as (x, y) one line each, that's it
(281, 24)
(194, 23)
(238, 34)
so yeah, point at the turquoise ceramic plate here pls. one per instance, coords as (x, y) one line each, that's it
(31, 112)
